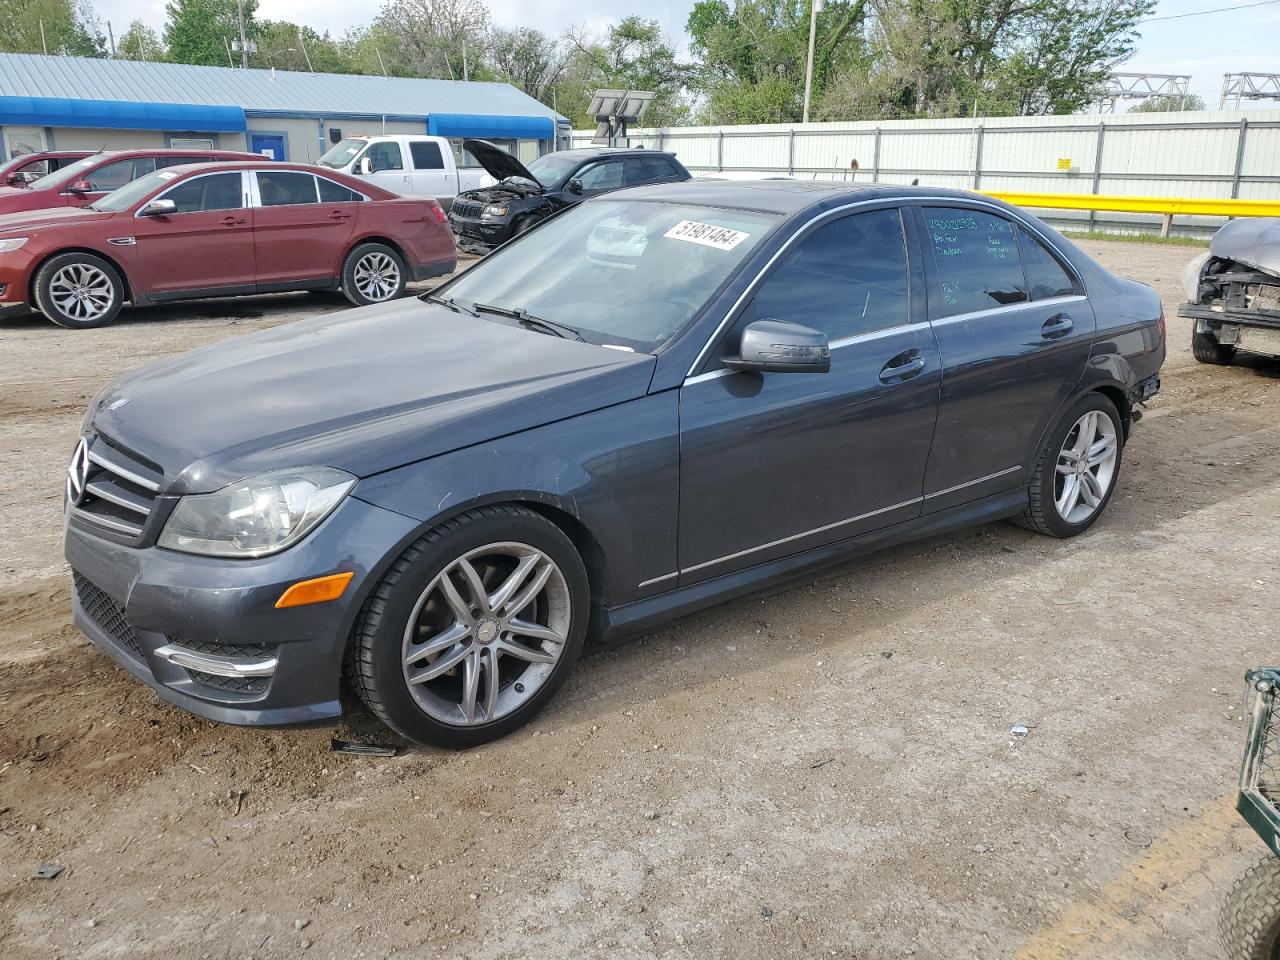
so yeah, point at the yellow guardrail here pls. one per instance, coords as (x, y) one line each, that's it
(1166, 206)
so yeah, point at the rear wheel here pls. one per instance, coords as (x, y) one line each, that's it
(1077, 469)
(1250, 921)
(1206, 348)
(79, 291)
(372, 273)
(473, 629)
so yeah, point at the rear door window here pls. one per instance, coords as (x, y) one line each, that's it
(286, 189)
(1046, 277)
(168, 160)
(426, 155)
(977, 260)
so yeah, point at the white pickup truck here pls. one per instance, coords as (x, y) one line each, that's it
(409, 164)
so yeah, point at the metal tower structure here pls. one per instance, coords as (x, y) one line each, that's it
(1141, 86)
(1237, 87)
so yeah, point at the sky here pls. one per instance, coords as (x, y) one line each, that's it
(1204, 46)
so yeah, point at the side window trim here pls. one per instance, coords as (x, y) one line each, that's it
(711, 349)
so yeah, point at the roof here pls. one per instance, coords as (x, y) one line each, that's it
(259, 91)
(787, 196)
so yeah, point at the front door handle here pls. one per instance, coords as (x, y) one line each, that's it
(902, 367)
(233, 221)
(1059, 325)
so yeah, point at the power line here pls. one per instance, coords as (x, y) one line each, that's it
(1201, 13)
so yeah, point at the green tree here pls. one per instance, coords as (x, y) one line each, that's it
(198, 31)
(290, 46)
(1169, 104)
(140, 42)
(633, 55)
(528, 59)
(753, 55)
(68, 27)
(432, 38)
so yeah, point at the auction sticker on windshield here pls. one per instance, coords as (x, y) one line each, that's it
(707, 234)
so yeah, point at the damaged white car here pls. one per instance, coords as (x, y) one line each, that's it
(1233, 292)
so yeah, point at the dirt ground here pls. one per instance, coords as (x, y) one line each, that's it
(826, 771)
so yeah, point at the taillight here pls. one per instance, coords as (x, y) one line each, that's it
(1162, 334)
(439, 212)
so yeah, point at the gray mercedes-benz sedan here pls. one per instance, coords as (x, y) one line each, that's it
(661, 399)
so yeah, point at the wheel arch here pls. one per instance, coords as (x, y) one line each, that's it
(376, 238)
(115, 263)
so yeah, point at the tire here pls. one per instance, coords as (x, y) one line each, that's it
(373, 273)
(524, 225)
(78, 291)
(1250, 920)
(410, 618)
(1206, 348)
(1045, 499)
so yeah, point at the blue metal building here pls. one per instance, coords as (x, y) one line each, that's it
(79, 103)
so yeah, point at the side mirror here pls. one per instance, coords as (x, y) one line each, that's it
(775, 346)
(366, 166)
(158, 208)
(80, 186)
(575, 185)
(14, 180)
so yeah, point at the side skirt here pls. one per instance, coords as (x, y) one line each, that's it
(642, 615)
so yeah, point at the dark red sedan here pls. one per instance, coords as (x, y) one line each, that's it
(28, 167)
(88, 180)
(220, 230)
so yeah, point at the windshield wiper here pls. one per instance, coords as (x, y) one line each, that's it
(530, 322)
(451, 302)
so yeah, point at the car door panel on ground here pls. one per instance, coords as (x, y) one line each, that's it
(1014, 331)
(301, 227)
(207, 244)
(844, 451)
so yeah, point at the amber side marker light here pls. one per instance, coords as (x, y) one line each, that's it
(318, 590)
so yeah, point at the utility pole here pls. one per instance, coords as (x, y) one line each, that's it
(302, 45)
(815, 7)
(43, 42)
(244, 41)
(112, 38)
(464, 58)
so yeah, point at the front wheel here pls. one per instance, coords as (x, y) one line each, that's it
(1250, 921)
(1206, 348)
(473, 629)
(1076, 470)
(79, 291)
(372, 273)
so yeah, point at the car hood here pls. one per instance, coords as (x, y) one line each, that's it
(13, 200)
(25, 223)
(497, 162)
(1252, 241)
(364, 390)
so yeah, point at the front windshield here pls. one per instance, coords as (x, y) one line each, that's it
(626, 273)
(132, 192)
(551, 168)
(342, 154)
(55, 180)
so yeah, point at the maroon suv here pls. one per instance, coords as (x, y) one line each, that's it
(81, 183)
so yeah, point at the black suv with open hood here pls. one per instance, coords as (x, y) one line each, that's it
(525, 195)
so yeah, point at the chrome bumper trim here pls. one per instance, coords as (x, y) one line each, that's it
(218, 666)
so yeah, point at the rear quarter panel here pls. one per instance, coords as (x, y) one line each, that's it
(411, 224)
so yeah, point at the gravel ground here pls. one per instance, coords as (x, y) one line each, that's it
(824, 771)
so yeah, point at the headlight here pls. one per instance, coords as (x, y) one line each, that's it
(11, 244)
(258, 516)
(495, 210)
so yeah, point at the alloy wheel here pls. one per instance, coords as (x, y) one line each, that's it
(1086, 467)
(486, 633)
(377, 276)
(82, 292)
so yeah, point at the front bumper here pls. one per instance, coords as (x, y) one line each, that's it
(487, 232)
(204, 632)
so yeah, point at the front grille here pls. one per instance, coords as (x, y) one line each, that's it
(231, 684)
(248, 651)
(111, 488)
(107, 614)
(468, 208)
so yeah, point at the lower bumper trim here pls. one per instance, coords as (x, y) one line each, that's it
(216, 665)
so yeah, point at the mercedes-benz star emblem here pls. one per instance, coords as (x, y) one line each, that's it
(78, 473)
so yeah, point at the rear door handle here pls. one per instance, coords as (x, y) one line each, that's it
(233, 221)
(1059, 325)
(902, 367)
(339, 215)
